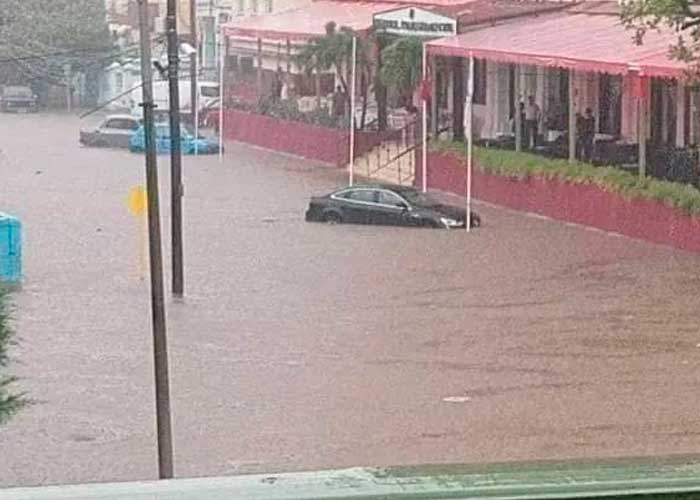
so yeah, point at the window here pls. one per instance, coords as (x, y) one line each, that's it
(480, 73)
(610, 104)
(363, 195)
(247, 65)
(119, 82)
(122, 124)
(389, 198)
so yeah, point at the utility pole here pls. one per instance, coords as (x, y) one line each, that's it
(193, 60)
(175, 153)
(160, 347)
(68, 77)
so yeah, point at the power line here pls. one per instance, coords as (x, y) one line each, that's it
(131, 48)
(107, 103)
(52, 54)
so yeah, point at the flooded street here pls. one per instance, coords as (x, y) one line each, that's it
(307, 346)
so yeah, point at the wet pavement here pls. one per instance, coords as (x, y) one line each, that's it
(307, 346)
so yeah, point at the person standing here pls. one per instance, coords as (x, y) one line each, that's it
(339, 100)
(533, 115)
(586, 135)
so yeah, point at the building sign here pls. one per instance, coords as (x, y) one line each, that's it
(415, 22)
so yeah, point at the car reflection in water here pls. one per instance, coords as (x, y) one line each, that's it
(387, 205)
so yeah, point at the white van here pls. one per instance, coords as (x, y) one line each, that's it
(208, 94)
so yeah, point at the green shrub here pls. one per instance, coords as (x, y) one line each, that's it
(10, 403)
(523, 165)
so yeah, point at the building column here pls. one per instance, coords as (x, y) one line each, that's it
(680, 115)
(594, 101)
(518, 118)
(541, 97)
(458, 97)
(259, 82)
(289, 57)
(433, 97)
(489, 119)
(572, 116)
(450, 87)
(629, 108)
(642, 131)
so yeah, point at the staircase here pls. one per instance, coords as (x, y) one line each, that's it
(393, 160)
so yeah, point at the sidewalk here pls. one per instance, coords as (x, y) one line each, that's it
(539, 480)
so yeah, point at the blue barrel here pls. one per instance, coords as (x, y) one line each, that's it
(10, 250)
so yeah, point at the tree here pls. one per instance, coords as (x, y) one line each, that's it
(401, 66)
(333, 52)
(674, 15)
(10, 403)
(39, 38)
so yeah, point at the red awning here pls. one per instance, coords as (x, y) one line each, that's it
(580, 42)
(307, 22)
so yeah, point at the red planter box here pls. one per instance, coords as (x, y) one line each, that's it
(582, 204)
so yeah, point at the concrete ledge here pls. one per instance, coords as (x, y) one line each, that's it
(663, 478)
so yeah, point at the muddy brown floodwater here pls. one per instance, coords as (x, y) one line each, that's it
(307, 346)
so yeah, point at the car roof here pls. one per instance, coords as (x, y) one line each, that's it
(389, 187)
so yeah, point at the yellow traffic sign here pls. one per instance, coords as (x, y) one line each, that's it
(137, 201)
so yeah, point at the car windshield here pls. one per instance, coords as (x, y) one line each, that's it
(416, 198)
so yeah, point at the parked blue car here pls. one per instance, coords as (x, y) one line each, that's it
(188, 143)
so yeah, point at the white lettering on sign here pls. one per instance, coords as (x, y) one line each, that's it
(416, 22)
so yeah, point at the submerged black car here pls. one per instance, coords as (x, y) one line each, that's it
(386, 204)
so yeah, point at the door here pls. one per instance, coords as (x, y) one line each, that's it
(117, 132)
(391, 209)
(358, 205)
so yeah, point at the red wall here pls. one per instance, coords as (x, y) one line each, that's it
(327, 145)
(309, 141)
(582, 204)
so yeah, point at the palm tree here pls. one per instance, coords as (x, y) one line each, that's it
(401, 65)
(333, 52)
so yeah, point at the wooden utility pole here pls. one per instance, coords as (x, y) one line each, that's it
(68, 77)
(160, 347)
(175, 153)
(193, 60)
